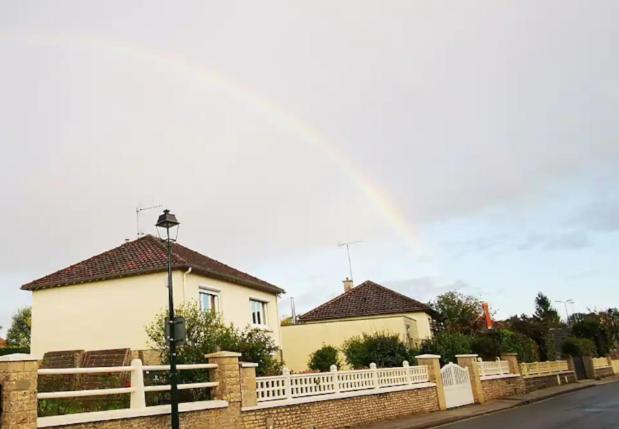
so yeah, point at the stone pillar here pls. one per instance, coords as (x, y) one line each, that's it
(227, 374)
(434, 373)
(470, 361)
(18, 377)
(589, 368)
(249, 397)
(512, 359)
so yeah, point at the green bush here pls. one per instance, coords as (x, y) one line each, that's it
(383, 349)
(515, 342)
(206, 333)
(322, 359)
(487, 345)
(575, 346)
(11, 350)
(447, 345)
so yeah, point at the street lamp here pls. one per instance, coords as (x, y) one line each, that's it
(168, 221)
(565, 303)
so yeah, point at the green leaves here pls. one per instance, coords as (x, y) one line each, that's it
(322, 359)
(18, 334)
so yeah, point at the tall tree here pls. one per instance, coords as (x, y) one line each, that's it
(18, 334)
(458, 312)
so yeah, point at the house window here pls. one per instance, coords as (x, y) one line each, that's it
(209, 301)
(258, 312)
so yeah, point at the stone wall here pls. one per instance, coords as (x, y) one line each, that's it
(543, 381)
(502, 387)
(342, 413)
(604, 372)
(19, 393)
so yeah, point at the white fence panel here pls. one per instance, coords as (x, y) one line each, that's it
(542, 368)
(289, 386)
(493, 368)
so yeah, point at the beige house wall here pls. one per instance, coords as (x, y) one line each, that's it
(114, 313)
(300, 341)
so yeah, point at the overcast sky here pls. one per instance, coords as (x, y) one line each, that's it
(471, 145)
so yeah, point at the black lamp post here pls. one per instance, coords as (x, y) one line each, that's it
(167, 221)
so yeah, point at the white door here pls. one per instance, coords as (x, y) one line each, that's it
(457, 384)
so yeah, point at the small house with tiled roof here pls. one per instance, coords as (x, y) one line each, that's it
(106, 301)
(365, 309)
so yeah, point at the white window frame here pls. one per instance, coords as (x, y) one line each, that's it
(212, 292)
(265, 312)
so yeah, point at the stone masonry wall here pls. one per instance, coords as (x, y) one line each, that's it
(604, 372)
(343, 413)
(502, 387)
(542, 382)
(19, 397)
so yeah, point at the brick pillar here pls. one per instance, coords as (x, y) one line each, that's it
(434, 372)
(470, 361)
(589, 368)
(18, 377)
(249, 397)
(512, 359)
(227, 374)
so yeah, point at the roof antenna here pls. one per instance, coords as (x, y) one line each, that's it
(138, 211)
(347, 244)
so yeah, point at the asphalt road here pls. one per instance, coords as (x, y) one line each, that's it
(593, 408)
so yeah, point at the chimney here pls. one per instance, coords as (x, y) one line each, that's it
(347, 284)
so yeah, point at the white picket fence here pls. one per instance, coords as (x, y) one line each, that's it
(288, 386)
(136, 389)
(495, 368)
(543, 368)
(601, 362)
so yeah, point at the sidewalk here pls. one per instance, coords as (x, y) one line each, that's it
(422, 421)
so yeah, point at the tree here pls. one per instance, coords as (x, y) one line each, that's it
(18, 334)
(544, 311)
(383, 349)
(598, 327)
(206, 333)
(458, 312)
(322, 359)
(447, 345)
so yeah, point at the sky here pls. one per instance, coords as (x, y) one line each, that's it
(470, 145)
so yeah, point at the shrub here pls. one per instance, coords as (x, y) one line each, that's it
(487, 345)
(11, 350)
(515, 342)
(206, 333)
(322, 359)
(447, 345)
(383, 349)
(575, 346)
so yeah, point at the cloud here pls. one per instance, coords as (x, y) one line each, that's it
(601, 215)
(426, 288)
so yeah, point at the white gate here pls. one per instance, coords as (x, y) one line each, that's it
(457, 384)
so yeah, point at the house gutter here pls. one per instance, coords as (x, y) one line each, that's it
(185, 274)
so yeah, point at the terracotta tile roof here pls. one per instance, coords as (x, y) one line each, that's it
(146, 255)
(367, 299)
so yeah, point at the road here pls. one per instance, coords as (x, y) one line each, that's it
(593, 408)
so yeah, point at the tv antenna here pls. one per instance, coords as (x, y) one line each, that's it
(347, 244)
(138, 211)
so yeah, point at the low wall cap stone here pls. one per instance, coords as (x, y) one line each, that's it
(467, 355)
(223, 354)
(19, 357)
(509, 354)
(428, 356)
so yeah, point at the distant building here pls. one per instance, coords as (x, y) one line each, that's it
(105, 302)
(367, 308)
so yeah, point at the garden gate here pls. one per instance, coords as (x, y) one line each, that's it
(457, 385)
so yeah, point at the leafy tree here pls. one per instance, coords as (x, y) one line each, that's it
(458, 312)
(322, 359)
(206, 333)
(18, 334)
(487, 345)
(596, 327)
(515, 342)
(447, 345)
(383, 349)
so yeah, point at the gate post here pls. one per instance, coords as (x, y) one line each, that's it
(18, 377)
(512, 359)
(434, 373)
(470, 361)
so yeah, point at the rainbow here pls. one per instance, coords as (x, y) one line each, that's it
(278, 115)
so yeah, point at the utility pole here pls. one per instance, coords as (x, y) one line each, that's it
(347, 244)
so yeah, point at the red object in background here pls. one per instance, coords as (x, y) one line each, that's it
(489, 321)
